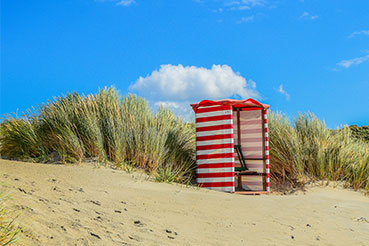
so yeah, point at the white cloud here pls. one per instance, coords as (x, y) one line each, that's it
(243, 4)
(176, 86)
(363, 32)
(245, 19)
(283, 92)
(231, 3)
(126, 3)
(354, 61)
(174, 105)
(308, 16)
(254, 2)
(241, 7)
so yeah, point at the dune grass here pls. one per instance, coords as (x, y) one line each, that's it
(125, 131)
(8, 230)
(305, 150)
(107, 127)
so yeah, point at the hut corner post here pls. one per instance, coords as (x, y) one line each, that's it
(267, 150)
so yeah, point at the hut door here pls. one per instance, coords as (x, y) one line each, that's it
(249, 133)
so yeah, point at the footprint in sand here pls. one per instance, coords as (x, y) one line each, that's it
(138, 223)
(56, 189)
(133, 238)
(24, 191)
(362, 219)
(170, 232)
(95, 202)
(99, 219)
(23, 207)
(95, 235)
(44, 200)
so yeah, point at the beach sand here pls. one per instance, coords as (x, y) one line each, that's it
(84, 205)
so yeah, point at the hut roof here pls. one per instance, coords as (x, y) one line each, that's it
(235, 103)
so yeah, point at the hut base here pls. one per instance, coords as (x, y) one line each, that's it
(251, 192)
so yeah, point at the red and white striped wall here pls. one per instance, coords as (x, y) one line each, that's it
(215, 147)
(267, 150)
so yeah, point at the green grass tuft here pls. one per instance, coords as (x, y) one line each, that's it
(8, 230)
(105, 126)
(305, 150)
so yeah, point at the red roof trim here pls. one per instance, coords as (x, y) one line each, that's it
(236, 103)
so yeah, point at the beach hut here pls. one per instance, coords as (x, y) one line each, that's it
(232, 149)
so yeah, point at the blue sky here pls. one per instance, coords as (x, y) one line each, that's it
(295, 55)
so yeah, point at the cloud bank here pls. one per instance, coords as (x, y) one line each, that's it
(176, 86)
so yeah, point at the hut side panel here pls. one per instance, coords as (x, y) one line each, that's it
(215, 147)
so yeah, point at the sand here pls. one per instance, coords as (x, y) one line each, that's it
(85, 205)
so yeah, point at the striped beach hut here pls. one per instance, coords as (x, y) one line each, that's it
(232, 149)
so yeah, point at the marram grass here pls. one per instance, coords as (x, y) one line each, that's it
(8, 230)
(125, 131)
(107, 127)
(305, 150)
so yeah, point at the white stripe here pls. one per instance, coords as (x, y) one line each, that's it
(267, 152)
(214, 123)
(216, 132)
(217, 141)
(267, 171)
(215, 161)
(211, 106)
(266, 125)
(213, 113)
(213, 180)
(268, 180)
(265, 116)
(266, 143)
(215, 151)
(266, 135)
(224, 188)
(267, 161)
(216, 170)
(268, 189)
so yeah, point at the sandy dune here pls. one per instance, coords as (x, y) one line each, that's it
(84, 205)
